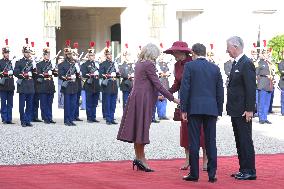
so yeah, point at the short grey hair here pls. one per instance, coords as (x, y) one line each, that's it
(236, 41)
(149, 52)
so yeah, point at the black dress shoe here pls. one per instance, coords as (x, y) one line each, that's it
(261, 122)
(78, 119)
(96, 121)
(29, 124)
(9, 122)
(236, 174)
(190, 178)
(155, 121)
(268, 122)
(23, 125)
(51, 121)
(108, 123)
(72, 123)
(67, 124)
(245, 176)
(46, 122)
(113, 122)
(36, 120)
(212, 180)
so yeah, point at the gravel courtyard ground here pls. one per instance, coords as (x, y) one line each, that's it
(87, 142)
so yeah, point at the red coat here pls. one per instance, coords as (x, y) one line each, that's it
(178, 74)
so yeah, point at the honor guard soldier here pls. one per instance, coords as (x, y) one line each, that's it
(109, 73)
(77, 60)
(127, 75)
(25, 85)
(45, 83)
(36, 84)
(164, 74)
(69, 87)
(210, 54)
(7, 86)
(90, 73)
(264, 86)
(281, 83)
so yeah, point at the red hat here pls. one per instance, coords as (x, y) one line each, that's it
(6, 48)
(67, 49)
(178, 46)
(46, 50)
(92, 49)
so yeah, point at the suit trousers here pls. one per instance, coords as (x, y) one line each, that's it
(83, 96)
(263, 106)
(244, 144)
(69, 107)
(46, 101)
(6, 105)
(194, 128)
(91, 105)
(25, 107)
(110, 106)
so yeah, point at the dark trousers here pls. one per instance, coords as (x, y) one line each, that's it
(244, 144)
(35, 106)
(77, 107)
(6, 105)
(271, 102)
(25, 101)
(282, 102)
(209, 126)
(91, 105)
(69, 107)
(110, 105)
(46, 100)
(125, 95)
(104, 104)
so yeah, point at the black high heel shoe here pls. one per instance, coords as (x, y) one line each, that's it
(140, 166)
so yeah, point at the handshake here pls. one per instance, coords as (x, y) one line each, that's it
(161, 97)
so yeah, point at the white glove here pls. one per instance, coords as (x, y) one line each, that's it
(113, 74)
(30, 74)
(49, 72)
(10, 72)
(73, 76)
(132, 75)
(96, 72)
(77, 68)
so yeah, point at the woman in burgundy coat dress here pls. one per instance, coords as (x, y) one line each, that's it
(137, 115)
(181, 52)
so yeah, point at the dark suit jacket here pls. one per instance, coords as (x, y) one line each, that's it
(202, 89)
(241, 88)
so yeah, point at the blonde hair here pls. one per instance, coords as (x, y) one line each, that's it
(149, 52)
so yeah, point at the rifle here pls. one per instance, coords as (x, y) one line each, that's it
(5, 74)
(70, 71)
(47, 68)
(92, 71)
(27, 67)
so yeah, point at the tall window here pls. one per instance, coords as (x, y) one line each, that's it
(51, 17)
(157, 18)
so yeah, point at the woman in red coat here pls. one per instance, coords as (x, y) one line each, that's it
(137, 115)
(181, 53)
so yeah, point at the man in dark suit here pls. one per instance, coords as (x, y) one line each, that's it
(202, 105)
(241, 105)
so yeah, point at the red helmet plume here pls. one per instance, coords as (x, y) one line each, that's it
(67, 43)
(27, 41)
(264, 43)
(33, 44)
(126, 45)
(47, 44)
(254, 45)
(161, 45)
(211, 46)
(107, 43)
(6, 42)
(92, 44)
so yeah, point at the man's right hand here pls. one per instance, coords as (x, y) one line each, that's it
(177, 101)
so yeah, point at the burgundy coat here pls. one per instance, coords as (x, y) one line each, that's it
(137, 115)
